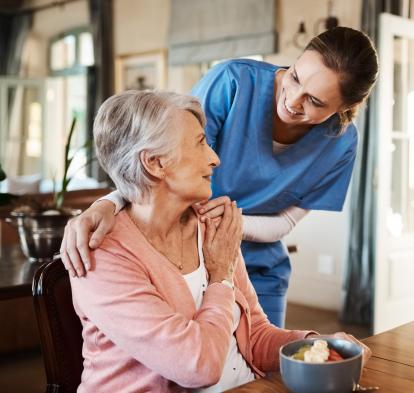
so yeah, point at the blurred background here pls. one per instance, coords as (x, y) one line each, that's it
(352, 270)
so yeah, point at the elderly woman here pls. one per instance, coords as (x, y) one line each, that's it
(168, 305)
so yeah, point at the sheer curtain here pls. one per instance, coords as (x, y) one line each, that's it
(13, 32)
(100, 76)
(359, 283)
(14, 29)
(102, 32)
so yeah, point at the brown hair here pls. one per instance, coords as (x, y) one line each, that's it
(352, 55)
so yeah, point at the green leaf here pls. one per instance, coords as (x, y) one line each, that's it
(60, 196)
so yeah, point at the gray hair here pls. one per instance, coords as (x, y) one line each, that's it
(134, 121)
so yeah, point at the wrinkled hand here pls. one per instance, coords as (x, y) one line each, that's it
(366, 352)
(213, 209)
(222, 243)
(95, 222)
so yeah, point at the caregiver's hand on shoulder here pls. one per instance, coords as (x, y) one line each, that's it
(222, 243)
(366, 352)
(213, 209)
(84, 232)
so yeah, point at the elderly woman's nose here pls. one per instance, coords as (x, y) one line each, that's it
(214, 159)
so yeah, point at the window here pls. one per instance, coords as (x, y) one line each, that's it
(70, 51)
(70, 59)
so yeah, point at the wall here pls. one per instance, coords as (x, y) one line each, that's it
(140, 25)
(292, 12)
(53, 21)
(318, 266)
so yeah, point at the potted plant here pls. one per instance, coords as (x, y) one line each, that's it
(5, 197)
(41, 224)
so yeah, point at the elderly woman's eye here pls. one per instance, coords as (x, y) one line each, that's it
(294, 77)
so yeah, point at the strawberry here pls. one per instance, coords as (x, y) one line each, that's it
(334, 356)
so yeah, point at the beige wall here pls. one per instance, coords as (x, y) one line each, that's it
(140, 25)
(291, 12)
(53, 21)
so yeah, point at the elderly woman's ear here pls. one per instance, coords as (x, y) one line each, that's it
(152, 164)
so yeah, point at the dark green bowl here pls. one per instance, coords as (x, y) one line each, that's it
(330, 377)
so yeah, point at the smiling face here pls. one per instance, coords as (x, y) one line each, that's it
(190, 176)
(309, 92)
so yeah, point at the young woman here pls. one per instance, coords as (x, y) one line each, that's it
(287, 145)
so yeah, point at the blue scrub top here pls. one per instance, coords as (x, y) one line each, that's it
(314, 173)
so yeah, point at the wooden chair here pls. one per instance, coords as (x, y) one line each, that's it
(59, 327)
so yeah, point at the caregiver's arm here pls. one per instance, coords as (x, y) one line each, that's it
(266, 229)
(87, 231)
(259, 229)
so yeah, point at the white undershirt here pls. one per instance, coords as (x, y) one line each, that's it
(279, 147)
(271, 228)
(236, 371)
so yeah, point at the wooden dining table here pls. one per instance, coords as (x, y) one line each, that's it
(391, 366)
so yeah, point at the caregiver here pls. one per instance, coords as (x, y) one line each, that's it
(286, 143)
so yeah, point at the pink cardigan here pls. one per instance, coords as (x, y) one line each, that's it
(141, 330)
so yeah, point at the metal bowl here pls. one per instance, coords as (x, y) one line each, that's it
(41, 233)
(330, 377)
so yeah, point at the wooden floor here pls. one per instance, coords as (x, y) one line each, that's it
(323, 321)
(24, 373)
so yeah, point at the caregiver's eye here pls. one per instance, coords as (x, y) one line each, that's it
(315, 102)
(294, 77)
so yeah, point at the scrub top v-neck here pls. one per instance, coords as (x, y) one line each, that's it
(314, 173)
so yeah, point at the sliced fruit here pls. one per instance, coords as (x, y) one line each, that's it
(334, 356)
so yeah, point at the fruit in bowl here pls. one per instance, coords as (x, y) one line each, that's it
(322, 371)
(318, 352)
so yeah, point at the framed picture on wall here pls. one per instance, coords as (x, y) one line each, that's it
(141, 71)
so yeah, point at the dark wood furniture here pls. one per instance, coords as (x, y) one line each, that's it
(16, 273)
(18, 330)
(59, 328)
(391, 366)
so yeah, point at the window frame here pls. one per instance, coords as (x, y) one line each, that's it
(77, 68)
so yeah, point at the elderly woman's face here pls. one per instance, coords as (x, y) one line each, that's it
(190, 176)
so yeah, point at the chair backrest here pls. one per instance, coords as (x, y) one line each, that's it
(59, 327)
